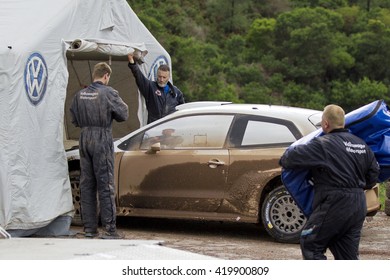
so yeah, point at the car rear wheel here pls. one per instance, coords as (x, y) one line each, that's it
(74, 177)
(282, 218)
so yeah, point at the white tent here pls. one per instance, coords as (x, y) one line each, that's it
(47, 51)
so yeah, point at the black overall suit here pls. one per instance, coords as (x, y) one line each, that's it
(93, 109)
(342, 166)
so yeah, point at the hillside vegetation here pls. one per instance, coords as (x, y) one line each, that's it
(298, 53)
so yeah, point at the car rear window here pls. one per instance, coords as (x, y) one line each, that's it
(262, 133)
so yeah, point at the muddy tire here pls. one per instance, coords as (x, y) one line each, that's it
(281, 217)
(74, 177)
(387, 206)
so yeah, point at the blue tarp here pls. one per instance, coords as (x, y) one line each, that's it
(371, 123)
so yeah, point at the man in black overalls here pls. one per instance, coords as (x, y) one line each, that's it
(342, 166)
(93, 110)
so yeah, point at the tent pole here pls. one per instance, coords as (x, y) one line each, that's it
(4, 234)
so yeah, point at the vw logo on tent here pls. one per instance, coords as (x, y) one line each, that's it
(35, 78)
(153, 70)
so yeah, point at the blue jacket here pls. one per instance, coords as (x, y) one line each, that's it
(158, 103)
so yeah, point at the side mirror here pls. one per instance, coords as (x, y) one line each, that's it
(156, 147)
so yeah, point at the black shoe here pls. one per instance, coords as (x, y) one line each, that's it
(90, 234)
(111, 235)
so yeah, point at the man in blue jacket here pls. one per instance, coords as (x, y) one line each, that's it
(93, 110)
(342, 166)
(161, 96)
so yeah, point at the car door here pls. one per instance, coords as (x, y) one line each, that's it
(256, 145)
(189, 171)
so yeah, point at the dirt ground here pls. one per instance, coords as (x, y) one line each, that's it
(232, 241)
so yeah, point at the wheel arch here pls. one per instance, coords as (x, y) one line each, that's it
(269, 187)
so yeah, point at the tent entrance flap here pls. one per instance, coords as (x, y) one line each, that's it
(82, 55)
(97, 49)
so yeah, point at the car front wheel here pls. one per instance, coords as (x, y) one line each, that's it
(282, 218)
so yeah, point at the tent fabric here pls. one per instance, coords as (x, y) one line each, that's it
(34, 40)
(108, 47)
(371, 123)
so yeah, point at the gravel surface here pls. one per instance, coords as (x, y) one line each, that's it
(233, 241)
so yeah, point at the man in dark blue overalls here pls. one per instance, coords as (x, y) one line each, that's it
(93, 110)
(161, 96)
(342, 166)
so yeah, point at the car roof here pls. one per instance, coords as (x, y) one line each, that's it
(277, 111)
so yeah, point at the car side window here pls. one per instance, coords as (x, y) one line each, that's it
(263, 133)
(190, 132)
(132, 143)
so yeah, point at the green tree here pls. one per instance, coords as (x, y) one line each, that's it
(351, 17)
(306, 40)
(299, 95)
(295, 52)
(371, 50)
(351, 96)
(215, 88)
(227, 16)
(261, 36)
(328, 4)
(235, 48)
(193, 62)
(257, 93)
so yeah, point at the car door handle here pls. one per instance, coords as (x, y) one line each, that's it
(214, 163)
